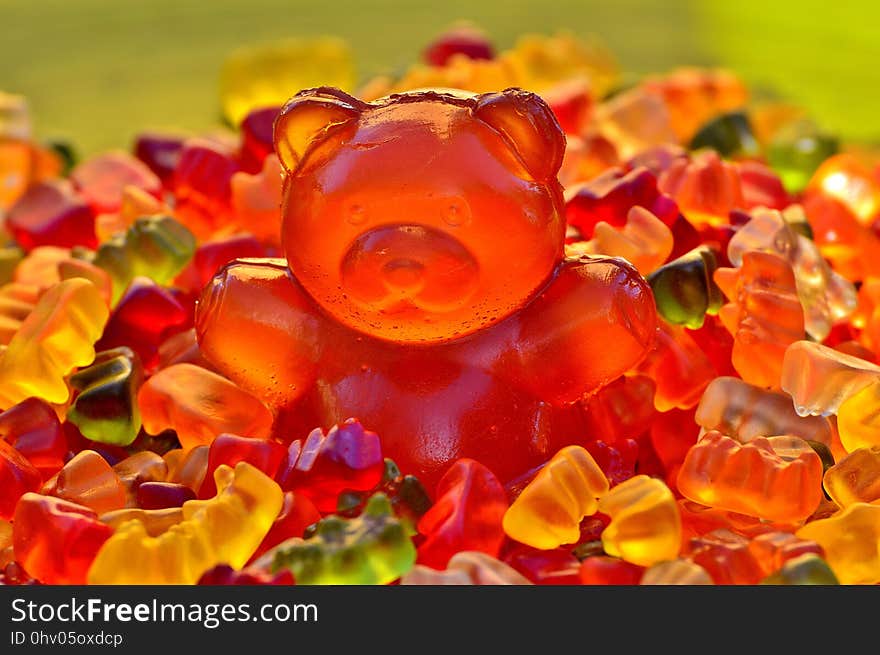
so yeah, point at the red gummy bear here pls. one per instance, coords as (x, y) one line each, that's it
(425, 289)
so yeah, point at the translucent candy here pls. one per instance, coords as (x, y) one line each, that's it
(764, 315)
(848, 179)
(347, 458)
(797, 151)
(858, 418)
(265, 75)
(466, 568)
(57, 336)
(256, 200)
(753, 478)
(729, 134)
(826, 296)
(199, 405)
(548, 512)
(705, 187)
(17, 301)
(684, 289)
(676, 572)
(51, 213)
(851, 541)
(808, 569)
(645, 525)
(819, 379)
(467, 515)
(102, 179)
(644, 241)
(743, 411)
(633, 121)
(88, 480)
(56, 540)
(33, 429)
(694, 95)
(225, 529)
(679, 368)
(17, 477)
(855, 478)
(105, 407)
(373, 548)
(137, 469)
(156, 247)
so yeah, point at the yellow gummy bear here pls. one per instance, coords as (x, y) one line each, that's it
(858, 419)
(645, 524)
(58, 336)
(226, 529)
(549, 510)
(267, 75)
(851, 541)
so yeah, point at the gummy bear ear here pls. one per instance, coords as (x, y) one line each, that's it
(308, 117)
(528, 125)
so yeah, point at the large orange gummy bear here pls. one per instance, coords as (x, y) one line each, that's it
(425, 289)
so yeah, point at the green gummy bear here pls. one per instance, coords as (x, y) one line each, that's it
(797, 151)
(684, 289)
(730, 134)
(157, 247)
(807, 569)
(374, 548)
(105, 409)
(408, 496)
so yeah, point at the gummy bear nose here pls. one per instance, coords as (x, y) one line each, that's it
(403, 274)
(420, 265)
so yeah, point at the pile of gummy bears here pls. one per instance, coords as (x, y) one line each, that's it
(505, 318)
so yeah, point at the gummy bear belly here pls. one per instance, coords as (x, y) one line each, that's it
(427, 423)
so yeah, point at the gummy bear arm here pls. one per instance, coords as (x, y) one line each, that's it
(257, 326)
(593, 321)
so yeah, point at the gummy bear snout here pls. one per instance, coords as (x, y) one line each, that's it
(410, 265)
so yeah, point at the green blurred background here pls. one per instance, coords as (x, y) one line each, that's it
(98, 71)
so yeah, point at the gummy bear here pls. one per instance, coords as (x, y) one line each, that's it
(56, 540)
(467, 515)
(373, 548)
(684, 289)
(819, 379)
(347, 458)
(764, 315)
(679, 571)
(57, 336)
(157, 247)
(17, 477)
(105, 408)
(753, 478)
(855, 478)
(88, 480)
(400, 304)
(826, 296)
(224, 529)
(807, 569)
(645, 524)
(466, 568)
(33, 429)
(743, 411)
(644, 241)
(548, 512)
(851, 541)
(199, 405)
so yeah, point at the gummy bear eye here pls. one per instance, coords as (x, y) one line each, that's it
(456, 212)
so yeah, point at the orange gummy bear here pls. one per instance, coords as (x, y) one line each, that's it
(425, 288)
(781, 483)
